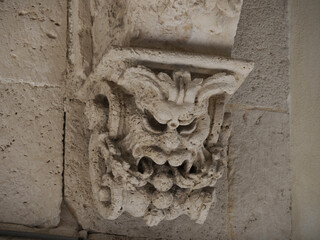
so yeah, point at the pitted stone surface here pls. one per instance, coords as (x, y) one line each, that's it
(33, 41)
(201, 26)
(30, 155)
(262, 36)
(32, 67)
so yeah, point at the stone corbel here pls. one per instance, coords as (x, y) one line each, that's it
(159, 131)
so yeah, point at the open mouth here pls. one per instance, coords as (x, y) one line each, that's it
(159, 157)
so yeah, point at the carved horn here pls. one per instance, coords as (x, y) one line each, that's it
(218, 84)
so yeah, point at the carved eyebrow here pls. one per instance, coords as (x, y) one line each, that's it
(146, 111)
(187, 122)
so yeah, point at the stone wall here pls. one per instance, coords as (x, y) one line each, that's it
(254, 193)
(259, 185)
(32, 80)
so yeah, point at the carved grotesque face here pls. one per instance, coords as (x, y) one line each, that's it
(160, 162)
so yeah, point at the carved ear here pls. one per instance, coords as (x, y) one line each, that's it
(143, 83)
(218, 84)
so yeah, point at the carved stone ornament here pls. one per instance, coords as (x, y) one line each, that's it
(159, 131)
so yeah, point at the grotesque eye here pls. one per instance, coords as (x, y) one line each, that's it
(153, 124)
(187, 129)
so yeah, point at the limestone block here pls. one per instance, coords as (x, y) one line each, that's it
(67, 227)
(31, 153)
(259, 176)
(202, 26)
(110, 25)
(262, 36)
(33, 41)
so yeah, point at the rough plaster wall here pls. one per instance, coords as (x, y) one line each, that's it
(259, 168)
(33, 59)
(305, 115)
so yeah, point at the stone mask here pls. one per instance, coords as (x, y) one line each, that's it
(159, 136)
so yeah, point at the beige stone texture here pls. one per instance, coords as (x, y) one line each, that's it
(262, 37)
(305, 115)
(110, 25)
(31, 154)
(33, 53)
(259, 176)
(201, 26)
(33, 41)
(259, 202)
(67, 227)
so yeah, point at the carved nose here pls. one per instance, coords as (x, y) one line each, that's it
(173, 124)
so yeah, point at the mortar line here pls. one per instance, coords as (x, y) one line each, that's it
(64, 100)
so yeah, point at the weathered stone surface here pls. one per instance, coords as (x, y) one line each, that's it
(31, 154)
(262, 37)
(33, 41)
(33, 61)
(202, 26)
(259, 176)
(68, 226)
